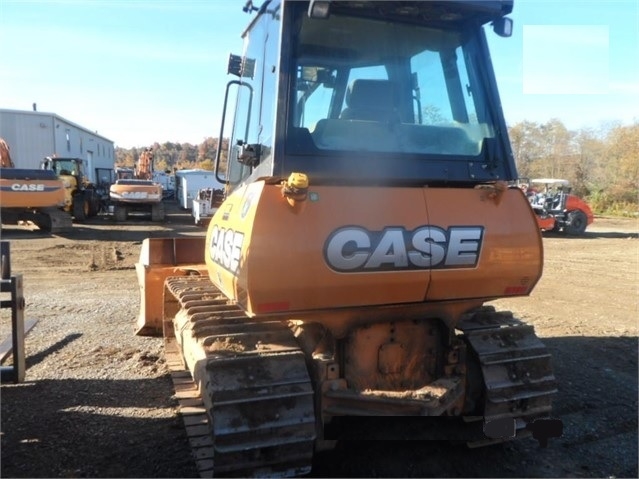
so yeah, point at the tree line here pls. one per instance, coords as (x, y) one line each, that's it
(171, 156)
(601, 164)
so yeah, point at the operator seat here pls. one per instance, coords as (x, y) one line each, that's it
(370, 100)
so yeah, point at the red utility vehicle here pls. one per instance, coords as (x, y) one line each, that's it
(556, 208)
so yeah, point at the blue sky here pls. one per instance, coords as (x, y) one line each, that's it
(139, 71)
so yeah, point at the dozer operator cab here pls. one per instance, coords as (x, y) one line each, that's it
(368, 92)
(124, 174)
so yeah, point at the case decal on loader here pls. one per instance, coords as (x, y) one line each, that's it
(226, 247)
(355, 249)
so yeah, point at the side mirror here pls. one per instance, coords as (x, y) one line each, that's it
(241, 66)
(248, 154)
(503, 27)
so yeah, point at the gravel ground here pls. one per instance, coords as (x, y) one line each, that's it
(98, 400)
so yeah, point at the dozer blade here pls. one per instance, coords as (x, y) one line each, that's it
(159, 259)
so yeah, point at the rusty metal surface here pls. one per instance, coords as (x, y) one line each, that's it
(395, 355)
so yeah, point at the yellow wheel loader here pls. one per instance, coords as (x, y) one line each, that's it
(367, 221)
(81, 200)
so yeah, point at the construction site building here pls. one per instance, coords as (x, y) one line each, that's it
(33, 135)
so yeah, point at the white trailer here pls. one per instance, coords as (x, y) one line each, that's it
(189, 182)
(205, 205)
(167, 181)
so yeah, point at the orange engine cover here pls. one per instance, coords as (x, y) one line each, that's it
(354, 247)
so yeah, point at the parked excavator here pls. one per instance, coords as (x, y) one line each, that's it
(31, 195)
(135, 191)
(367, 222)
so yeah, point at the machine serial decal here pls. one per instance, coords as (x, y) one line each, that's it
(355, 249)
(226, 247)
